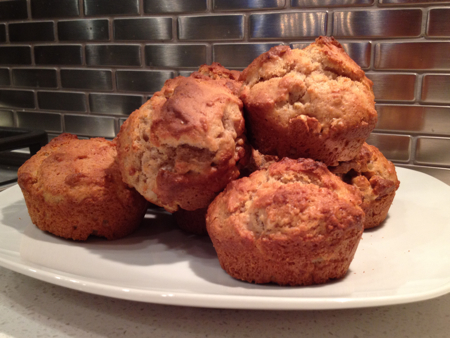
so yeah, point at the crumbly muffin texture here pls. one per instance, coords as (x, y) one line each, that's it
(294, 223)
(73, 189)
(314, 102)
(183, 146)
(375, 177)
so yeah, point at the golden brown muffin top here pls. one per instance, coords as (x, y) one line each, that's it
(320, 81)
(370, 171)
(182, 147)
(291, 198)
(72, 169)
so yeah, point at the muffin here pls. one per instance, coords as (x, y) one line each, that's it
(375, 177)
(184, 145)
(73, 189)
(294, 223)
(314, 103)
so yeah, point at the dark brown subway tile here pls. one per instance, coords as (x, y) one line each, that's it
(4, 77)
(433, 151)
(34, 77)
(288, 25)
(377, 24)
(6, 118)
(232, 5)
(54, 8)
(15, 55)
(174, 6)
(113, 55)
(31, 32)
(141, 81)
(83, 30)
(394, 147)
(439, 23)
(414, 119)
(86, 79)
(13, 10)
(412, 55)
(114, 104)
(39, 120)
(330, 3)
(239, 55)
(16, 99)
(111, 7)
(393, 87)
(436, 88)
(62, 101)
(175, 55)
(2, 33)
(146, 29)
(96, 126)
(224, 27)
(58, 55)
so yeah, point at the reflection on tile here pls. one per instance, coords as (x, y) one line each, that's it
(16, 99)
(44, 121)
(175, 55)
(146, 29)
(288, 25)
(330, 3)
(86, 79)
(174, 6)
(433, 151)
(34, 77)
(98, 126)
(2, 33)
(231, 5)
(394, 147)
(111, 7)
(62, 101)
(413, 119)
(376, 24)
(427, 55)
(142, 81)
(436, 88)
(113, 55)
(224, 27)
(393, 87)
(114, 104)
(6, 118)
(239, 55)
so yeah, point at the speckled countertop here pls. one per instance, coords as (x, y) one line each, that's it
(32, 308)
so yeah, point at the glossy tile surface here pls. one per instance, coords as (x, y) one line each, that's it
(13, 10)
(394, 147)
(230, 5)
(436, 88)
(146, 29)
(86, 79)
(330, 3)
(393, 87)
(114, 104)
(62, 101)
(54, 8)
(239, 55)
(433, 151)
(49, 122)
(83, 30)
(225, 27)
(16, 99)
(90, 125)
(288, 25)
(6, 118)
(15, 55)
(175, 55)
(5, 79)
(34, 77)
(110, 7)
(58, 55)
(141, 81)
(113, 55)
(174, 6)
(31, 32)
(439, 23)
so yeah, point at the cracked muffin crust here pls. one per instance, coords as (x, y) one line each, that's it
(375, 177)
(73, 189)
(294, 223)
(314, 102)
(183, 146)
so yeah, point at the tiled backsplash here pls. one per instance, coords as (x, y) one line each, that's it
(82, 66)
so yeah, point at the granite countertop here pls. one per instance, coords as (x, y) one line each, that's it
(32, 308)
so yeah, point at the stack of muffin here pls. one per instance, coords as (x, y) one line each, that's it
(271, 162)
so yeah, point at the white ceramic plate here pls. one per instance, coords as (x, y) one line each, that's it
(405, 260)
